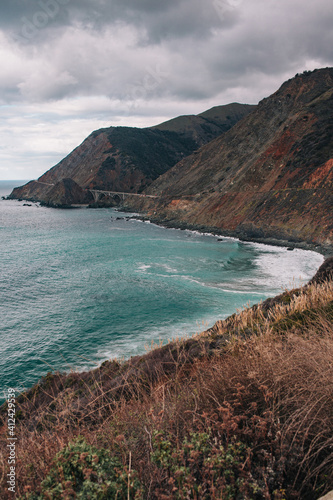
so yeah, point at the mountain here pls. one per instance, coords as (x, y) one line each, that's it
(269, 177)
(128, 159)
(207, 126)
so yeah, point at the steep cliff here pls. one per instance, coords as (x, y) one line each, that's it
(270, 176)
(128, 159)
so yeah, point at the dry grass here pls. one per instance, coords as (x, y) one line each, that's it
(262, 316)
(244, 410)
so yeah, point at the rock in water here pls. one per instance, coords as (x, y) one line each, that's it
(67, 193)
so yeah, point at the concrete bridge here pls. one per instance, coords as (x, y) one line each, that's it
(116, 195)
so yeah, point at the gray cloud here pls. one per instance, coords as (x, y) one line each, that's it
(136, 62)
(157, 20)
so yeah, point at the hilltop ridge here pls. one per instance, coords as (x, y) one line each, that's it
(128, 159)
(268, 178)
(208, 125)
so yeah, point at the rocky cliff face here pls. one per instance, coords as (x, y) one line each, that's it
(270, 176)
(128, 159)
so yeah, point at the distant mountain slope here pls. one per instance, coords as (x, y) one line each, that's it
(270, 176)
(207, 126)
(128, 159)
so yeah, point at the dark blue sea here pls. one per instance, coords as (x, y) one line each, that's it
(81, 286)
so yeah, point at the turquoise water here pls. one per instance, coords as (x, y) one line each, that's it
(79, 286)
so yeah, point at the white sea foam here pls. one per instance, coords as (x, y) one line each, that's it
(144, 267)
(296, 264)
(138, 343)
(235, 291)
(167, 267)
(279, 268)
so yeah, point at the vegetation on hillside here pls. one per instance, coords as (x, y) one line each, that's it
(268, 178)
(128, 159)
(244, 410)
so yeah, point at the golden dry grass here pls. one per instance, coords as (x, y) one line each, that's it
(257, 387)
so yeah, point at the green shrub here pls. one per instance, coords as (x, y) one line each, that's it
(82, 471)
(201, 467)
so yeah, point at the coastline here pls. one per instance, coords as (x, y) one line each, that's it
(253, 235)
(213, 236)
(325, 250)
(138, 399)
(241, 235)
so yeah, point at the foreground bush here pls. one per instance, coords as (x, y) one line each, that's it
(84, 472)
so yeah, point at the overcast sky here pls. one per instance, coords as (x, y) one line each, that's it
(69, 67)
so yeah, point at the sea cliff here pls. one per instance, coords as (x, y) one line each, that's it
(260, 173)
(268, 179)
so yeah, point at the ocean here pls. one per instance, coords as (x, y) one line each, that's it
(84, 285)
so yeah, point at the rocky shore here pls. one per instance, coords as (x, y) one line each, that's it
(325, 250)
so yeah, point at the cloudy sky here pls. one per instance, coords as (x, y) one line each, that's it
(69, 67)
